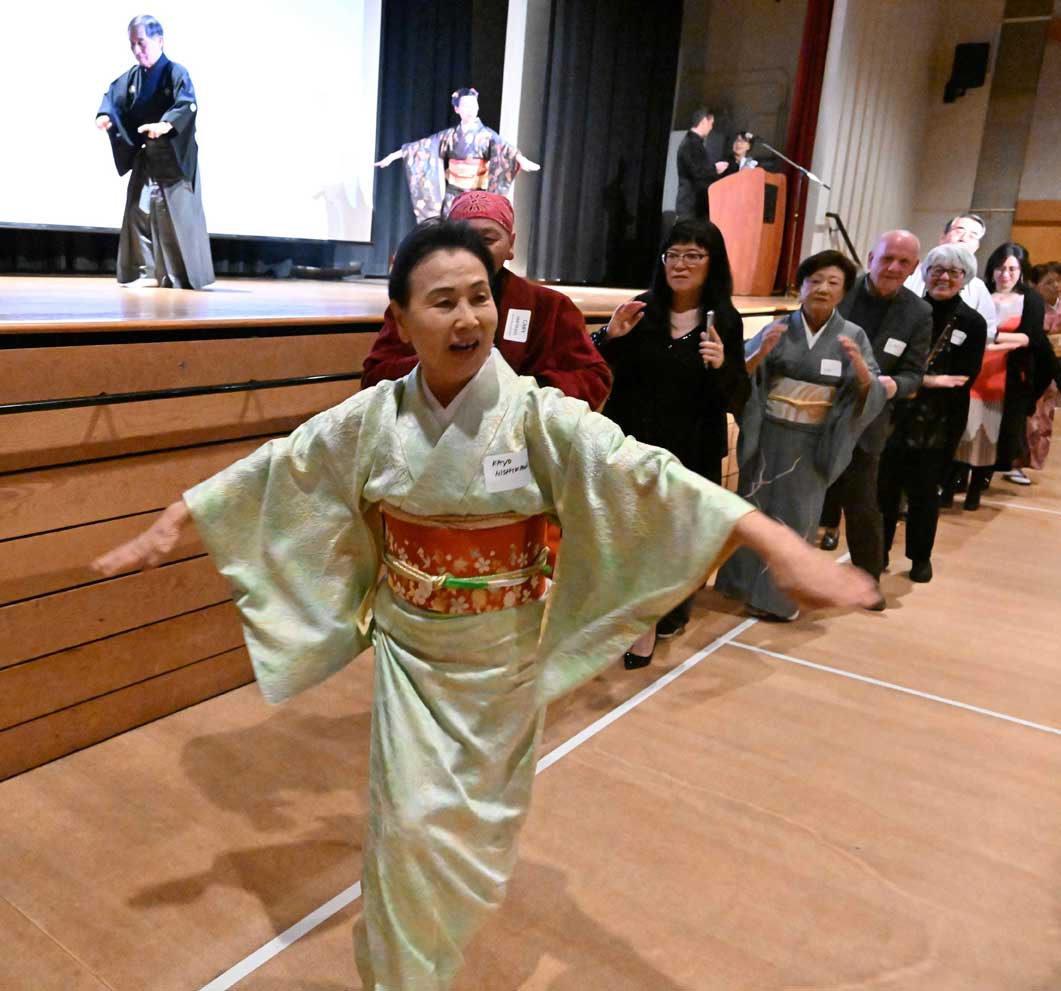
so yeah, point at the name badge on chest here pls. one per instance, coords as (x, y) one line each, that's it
(517, 325)
(894, 346)
(506, 471)
(957, 337)
(831, 366)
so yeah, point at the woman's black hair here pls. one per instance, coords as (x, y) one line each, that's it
(425, 240)
(1039, 272)
(718, 286)
(998, 257)
(826, 259)
(455, 96)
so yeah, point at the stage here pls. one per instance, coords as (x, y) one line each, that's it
(94, 304)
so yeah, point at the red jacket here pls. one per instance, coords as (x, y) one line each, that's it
(557, 352)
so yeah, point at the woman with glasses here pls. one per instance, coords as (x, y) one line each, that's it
(815, 388)
(677, 352)
(1017, 367)
(929, 424)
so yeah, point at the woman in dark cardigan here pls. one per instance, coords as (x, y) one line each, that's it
(929, 425)
(677, 353)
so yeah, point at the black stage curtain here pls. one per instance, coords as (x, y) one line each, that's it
(426, 52)
(612, 67)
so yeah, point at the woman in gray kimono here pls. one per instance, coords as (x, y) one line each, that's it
(814, 390)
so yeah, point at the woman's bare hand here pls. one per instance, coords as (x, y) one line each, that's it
(150, 547)
(711, 349)
(626, 317)
(808, 576)
(858, 363)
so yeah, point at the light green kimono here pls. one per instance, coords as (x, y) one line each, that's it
(458, 700)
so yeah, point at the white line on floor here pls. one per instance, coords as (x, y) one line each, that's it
(277, 945)
(1018, 505)
(897, 688)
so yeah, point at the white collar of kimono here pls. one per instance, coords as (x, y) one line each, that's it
(812, 337)
(445, 415)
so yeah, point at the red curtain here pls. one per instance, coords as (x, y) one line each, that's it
(802, 127)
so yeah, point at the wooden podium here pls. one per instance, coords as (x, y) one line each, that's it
(749, 208)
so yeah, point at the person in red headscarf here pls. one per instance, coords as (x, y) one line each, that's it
(540, 332)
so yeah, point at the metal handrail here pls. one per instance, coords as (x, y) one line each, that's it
(847, 240)
(111, 399)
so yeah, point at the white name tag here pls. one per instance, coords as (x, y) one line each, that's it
(506, 471)
(830, 366)
(895, 346)
(957, 337)
(517, 325)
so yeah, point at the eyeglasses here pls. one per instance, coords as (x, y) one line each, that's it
(938, 271)
(689, 257)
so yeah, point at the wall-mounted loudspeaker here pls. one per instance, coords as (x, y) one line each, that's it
(969, 70)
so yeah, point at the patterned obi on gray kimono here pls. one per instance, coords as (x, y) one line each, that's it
(793, 401)
(465, 564)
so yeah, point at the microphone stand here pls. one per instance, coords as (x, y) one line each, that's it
(800, 173)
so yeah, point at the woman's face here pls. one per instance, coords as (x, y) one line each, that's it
(741, 147)
(1048, 287)
(686, 266)
(449, 319)
(943, 281)
(1007, 275)
(821, 292)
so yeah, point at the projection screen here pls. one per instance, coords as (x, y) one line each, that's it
(286, 125)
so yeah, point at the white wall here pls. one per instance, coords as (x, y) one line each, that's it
(954, 131)
(875, 109)
(1041, 179)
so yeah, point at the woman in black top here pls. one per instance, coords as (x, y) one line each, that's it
(677, 353)
(929, 425)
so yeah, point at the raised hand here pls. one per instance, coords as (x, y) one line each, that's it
(150, 547)
(858, 363)
(384, 162)
(711, 349)
(526, 164)
(626, 317)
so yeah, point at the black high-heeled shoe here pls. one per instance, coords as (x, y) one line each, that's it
(632, 661)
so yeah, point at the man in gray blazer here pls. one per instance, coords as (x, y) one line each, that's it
(899, 325)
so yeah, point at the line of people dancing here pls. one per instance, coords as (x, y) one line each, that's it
(871, 400)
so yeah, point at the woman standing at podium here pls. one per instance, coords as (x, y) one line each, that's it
(738, 158)
(677, 352)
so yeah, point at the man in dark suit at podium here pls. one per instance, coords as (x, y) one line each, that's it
(695, 170)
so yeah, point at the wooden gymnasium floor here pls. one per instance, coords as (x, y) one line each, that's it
(861, 801)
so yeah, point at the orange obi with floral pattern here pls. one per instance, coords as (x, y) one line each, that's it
(465, 564)
(468, 173)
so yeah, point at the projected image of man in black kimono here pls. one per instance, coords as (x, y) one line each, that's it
(149, 114)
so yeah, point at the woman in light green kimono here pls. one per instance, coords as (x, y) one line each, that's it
(458, 699)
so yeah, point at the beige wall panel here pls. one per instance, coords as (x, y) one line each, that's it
(51, 562)
(59, 733)
(38, 501)
(62, 373)
(67, 619)
(33, 689)
(36, 440)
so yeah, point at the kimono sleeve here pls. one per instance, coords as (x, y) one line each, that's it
(298, 553)
(641, 533)
(503, 165)
(423, 173)
(182, 113)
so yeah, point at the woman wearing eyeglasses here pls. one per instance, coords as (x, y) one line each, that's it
(677, 352)
(1017, 368)
(929, 425)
